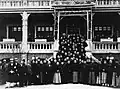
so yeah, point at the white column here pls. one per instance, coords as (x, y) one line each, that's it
(58, 26)
(89, 32)
(91, 25)
(88, 25)
(7, 28)
(56, 30)
(24, 47)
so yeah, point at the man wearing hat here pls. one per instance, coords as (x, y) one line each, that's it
(34, 69)
(12, 71)
(23, 71)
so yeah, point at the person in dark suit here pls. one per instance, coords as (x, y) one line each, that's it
(34, 69)
(23, 74)
(12, 71)
(85, 72)
(44, 71)
(104, 71)
(109, 72)
(50, 72)
(40, 71)
(3, 76)
(66, 72)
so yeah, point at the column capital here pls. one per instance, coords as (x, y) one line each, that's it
(25, 15)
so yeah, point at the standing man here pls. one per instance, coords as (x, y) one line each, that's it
(13, 74)
(23, 71)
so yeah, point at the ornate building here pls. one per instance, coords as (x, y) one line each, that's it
(33, 27)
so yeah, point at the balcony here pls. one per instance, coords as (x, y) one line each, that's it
(49, 3)
(105, 47)
(48, 47)
(33, 47)
(25, 3)
(10, 47)
(42, 3)
(107, 3)
(40, 47)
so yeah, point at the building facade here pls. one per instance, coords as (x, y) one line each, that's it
(32, 27)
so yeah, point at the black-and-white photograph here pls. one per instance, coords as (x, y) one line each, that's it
(59, 44)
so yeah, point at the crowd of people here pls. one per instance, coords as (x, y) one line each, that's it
(53, 71)
(71, 65)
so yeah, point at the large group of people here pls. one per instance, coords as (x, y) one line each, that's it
(71, 65)
(53, 71)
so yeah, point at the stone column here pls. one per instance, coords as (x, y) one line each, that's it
(88, 35)
(89, 31)
(24, 48)
(56, 32)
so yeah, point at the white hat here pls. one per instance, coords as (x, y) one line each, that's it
(112, 58)
(4, 60)
(36, 57)
(11, 59)
(16, 58)
(33, 58)
(107, 57)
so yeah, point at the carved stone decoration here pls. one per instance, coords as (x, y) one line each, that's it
(24, 2)
(72, 2)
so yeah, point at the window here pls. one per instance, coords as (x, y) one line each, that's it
(102, 31)
(44, 32)
(15, 32)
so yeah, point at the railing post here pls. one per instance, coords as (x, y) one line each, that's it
(117, 2)
(102, 2)
(119, 46)
(96, 1)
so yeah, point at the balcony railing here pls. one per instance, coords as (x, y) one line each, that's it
(33, 47)
(41, 3)
(107, 3)
(10, 47)
(48, 47)
(106, 47)
(50, 3)
(40, 47)
(25, 3)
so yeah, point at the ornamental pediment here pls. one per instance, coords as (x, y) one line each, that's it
(72, 2)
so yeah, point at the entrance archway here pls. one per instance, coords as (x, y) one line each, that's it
(73, 25)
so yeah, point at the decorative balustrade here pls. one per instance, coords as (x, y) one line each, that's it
(50, 3)
(40, 47)
(25, 3)
(40, 3)
(33, 47)
(48, 47)
(72, 2)
(105, 47)
(107, 3)
(10, 47)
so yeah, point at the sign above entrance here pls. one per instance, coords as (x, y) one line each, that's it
(72, 2)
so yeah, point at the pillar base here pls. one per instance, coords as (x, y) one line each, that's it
(89, 47)
(56, 45)
(56, 48)
(54, 54)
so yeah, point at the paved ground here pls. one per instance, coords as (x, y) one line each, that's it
(64, 86)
